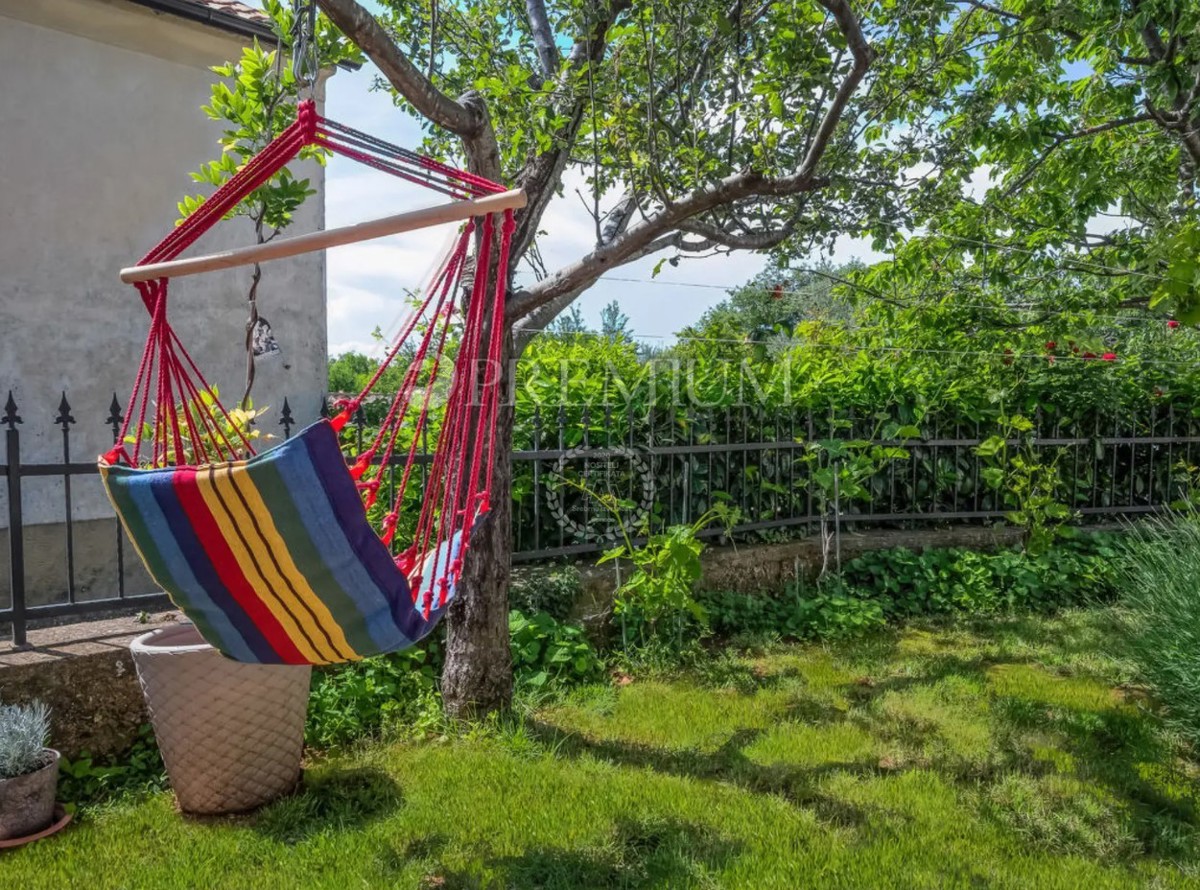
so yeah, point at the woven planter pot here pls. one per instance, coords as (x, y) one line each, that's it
(27, 802)
(231, 734)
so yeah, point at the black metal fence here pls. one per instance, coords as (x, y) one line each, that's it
(579, 478)
(673, 464)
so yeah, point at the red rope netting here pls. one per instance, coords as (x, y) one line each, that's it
(181, 421)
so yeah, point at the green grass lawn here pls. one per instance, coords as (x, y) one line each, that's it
(1005, 753)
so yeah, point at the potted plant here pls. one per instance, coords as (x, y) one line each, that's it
(28, 772)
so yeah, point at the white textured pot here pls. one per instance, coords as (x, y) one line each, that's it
(231, 734)
(27, 802)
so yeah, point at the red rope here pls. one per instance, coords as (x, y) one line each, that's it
(205, 387)
(442, 513)
(495, 351)
(468, 374)
(402, 402)
(414, 173)
(190, 423)
(418, 428)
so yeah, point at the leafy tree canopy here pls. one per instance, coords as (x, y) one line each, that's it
(1083, 119)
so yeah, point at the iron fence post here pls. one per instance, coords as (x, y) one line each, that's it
(16, 534)
(115, 420)
(65, 420)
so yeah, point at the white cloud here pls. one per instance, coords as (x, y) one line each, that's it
(364, 346)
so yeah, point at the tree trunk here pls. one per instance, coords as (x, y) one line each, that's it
(477, 677)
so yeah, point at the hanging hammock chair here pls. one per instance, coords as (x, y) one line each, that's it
(272, 555)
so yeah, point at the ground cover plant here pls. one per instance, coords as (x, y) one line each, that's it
(997, 751)
(898, 584)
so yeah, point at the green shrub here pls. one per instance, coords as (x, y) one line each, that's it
(834, 611)
(899, 583)
(549, 654)
(831, 610)
(1159, 572)
(665, 570)
(1076, 571)
(739, 614)
(396, 692)
(935, 581)
(90, 780)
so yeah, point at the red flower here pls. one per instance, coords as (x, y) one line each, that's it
(1109, 356)
(1089, 355)
(1051, 345)
(1050, 359)
(1172, 324)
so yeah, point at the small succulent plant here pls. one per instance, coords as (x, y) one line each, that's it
(24, 731)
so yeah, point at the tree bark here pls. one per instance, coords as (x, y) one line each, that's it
(477, 678)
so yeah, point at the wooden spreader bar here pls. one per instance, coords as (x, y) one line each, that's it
(456, 211)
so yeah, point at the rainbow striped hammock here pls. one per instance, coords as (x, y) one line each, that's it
(272, 555)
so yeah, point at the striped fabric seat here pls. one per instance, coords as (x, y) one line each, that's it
(273, 557)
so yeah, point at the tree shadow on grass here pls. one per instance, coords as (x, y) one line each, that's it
(932, 671)
(799, 785)
(342, 800)
(640, 854)
(1090, 632)
(1113, 748)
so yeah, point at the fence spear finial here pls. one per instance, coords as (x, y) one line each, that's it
(64, 418)
(115, 417)
(11, 417)
(286, 420)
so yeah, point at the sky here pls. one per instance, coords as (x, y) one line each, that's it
(367, 281)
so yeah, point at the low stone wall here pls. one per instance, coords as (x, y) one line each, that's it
(772, 566)
(760, 567)
(85, 673)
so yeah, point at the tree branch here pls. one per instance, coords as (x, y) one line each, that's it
(545, 169)
(761, 239)
(543, 36)
(655, 231)
(1063, 139)
(638, 238)
(362, 28)
(851, 29)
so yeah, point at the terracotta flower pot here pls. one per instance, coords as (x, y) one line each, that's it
(231, 734)
(27, 802)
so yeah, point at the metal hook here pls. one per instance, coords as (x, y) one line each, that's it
(305, 61)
